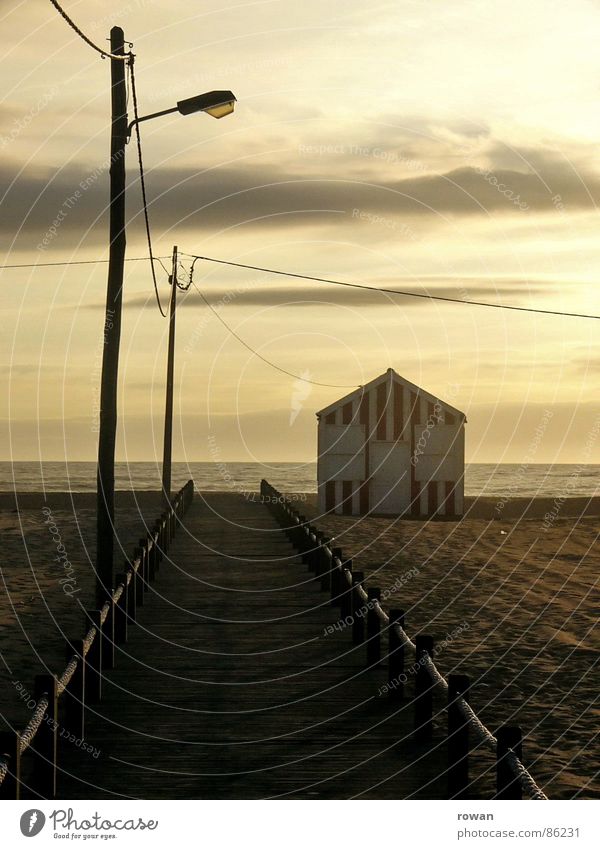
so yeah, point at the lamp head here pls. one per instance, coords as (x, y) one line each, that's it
(215, 103)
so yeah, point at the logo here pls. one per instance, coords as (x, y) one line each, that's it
(32, 822)
(301, 389)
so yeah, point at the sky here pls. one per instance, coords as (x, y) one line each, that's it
(441, 148)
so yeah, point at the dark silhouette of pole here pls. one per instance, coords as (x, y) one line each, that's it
(168, 436)
(105, 506)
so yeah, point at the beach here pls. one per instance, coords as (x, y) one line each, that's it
(514, 601)
(510, 601)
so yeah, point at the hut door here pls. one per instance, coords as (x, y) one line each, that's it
(390, 477)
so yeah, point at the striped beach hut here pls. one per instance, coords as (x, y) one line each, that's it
(391, 448)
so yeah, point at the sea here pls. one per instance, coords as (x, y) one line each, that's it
(487, 479)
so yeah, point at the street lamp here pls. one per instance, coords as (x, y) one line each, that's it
(217, 104)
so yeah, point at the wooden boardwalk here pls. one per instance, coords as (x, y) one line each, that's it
(229, 687)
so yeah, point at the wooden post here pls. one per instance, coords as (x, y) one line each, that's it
(335, 576)
(508, 786)
(458, 738)
(10, 749)
(138, 575)
(346, 591)
(150, 554)
(44, 745)
(108, 636)
(121, 623)
(373, 628)
(395, 656)
(138, 554)
(74, 695)
(423, 690)
(131, 596)
(94, 658)
(325, 566)
(358, 618)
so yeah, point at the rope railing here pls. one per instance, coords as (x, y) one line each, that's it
(347, 590)
(36, 719)
(88, 658)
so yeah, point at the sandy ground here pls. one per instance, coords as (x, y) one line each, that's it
(528, 595)
(524, 598)
(42, 599)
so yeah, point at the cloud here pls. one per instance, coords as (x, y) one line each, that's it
(264, 196)
(302, 295)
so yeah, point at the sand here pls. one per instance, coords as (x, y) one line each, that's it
(528, 596)
(518, 601)
(48, 547)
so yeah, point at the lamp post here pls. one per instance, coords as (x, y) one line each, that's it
(214, 103)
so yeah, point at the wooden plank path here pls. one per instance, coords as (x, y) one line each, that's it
(229, 687)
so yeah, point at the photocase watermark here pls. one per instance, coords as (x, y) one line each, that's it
(107, 21)
(390, 156)
(301, 390)
(221, 466)
(402, 679)
(217, 306)
(421, 444)
(70, 202)
(69, 579)
(223, 71)
(502, 188)
(400, 227)
(96, 375)
(64, 733)
(363, 610)
(96, 823)
(573, 480)
(21, 124)
(529, 457)
(282, 498)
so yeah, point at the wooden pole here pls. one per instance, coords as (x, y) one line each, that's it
(373, 628)
(44, 744)
(395, 656)
(458, 738)
(423, 690)
(168, 430)
(105, 487)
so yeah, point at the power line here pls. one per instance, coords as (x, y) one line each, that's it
(77, 262)
(426, 296)
(264, 359)
(82, 35)
(143, 182)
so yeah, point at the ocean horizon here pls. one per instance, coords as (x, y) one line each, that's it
(481, 479)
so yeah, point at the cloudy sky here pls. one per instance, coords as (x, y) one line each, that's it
(443, 148)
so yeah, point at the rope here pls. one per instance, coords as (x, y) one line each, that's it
(105, 611)
(65, 679)
(118, 593)
(143, 183)
(3, 769)
(88, 640)
(380, 611)
(34, 723)
(83, 36)
(403, 636)
(426, 296)
(264, 359)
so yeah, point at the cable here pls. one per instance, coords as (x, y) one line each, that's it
(78, 262)
(264, 359)
(391, 291)
(82, 35)
(143, 182)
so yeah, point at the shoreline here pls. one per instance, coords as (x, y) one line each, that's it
(479, 507)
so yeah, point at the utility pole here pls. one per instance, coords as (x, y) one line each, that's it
(105, 498)
(168, 438)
